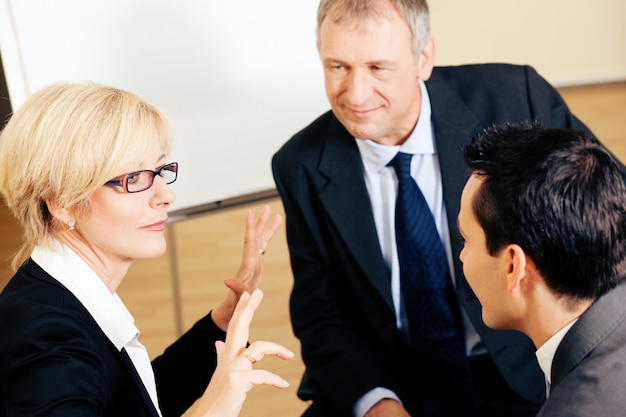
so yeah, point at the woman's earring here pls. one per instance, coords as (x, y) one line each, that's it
(71, 224)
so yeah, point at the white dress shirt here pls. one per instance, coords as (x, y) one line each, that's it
(545, 354)
(107, 309)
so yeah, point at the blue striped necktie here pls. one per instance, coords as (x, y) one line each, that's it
(430, 304)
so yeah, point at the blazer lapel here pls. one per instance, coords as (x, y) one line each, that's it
(341, 164)
(454, 124)
(451, 134)
(604, 315)
(139, 383)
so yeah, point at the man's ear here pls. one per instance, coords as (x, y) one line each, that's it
(515, 262)
(426, 60)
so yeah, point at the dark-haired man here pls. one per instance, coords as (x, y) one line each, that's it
(543, 219)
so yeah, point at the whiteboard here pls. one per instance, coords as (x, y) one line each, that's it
(235, 79)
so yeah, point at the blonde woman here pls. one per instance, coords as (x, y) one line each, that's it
(84, 169)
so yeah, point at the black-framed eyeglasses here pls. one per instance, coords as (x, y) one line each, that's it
(135, 182)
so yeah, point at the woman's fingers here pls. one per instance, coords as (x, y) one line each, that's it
(257, 237)
(234, 374)
(259, 349)
(239, 325)
(265, 235)
(256, 352)
(263, 377)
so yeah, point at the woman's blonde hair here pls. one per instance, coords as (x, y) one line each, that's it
(64, 143)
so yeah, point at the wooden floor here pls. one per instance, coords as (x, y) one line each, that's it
(207, 250)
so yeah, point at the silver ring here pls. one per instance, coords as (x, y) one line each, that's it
(249, 355)
(261, 251)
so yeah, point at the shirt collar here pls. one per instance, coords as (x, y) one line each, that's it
(420, 141)
(545, 354)
(107, 309)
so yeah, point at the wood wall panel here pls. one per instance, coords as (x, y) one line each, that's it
(603, 109)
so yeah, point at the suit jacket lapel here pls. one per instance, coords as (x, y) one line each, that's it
(589, 332)
(139, 383)
(340, 163)
(451, 134)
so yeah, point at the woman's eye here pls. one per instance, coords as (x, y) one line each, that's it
(133, 178)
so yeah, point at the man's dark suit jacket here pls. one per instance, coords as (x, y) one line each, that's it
(55, 360)
(589, 367)
(341, 304)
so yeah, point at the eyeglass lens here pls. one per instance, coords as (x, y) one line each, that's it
(142, 180)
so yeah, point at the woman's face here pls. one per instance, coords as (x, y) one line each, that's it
(121, 227)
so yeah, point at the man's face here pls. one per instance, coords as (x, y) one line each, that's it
(483, 271)
(371, 76)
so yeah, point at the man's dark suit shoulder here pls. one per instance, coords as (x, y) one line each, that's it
(308, 139)
(589, 365)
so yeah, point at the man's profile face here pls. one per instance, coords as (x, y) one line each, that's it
(484, 272)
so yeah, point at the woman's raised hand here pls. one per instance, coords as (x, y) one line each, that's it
(235, 375)
(250, 273)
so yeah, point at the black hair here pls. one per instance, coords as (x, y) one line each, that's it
(560, 196)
